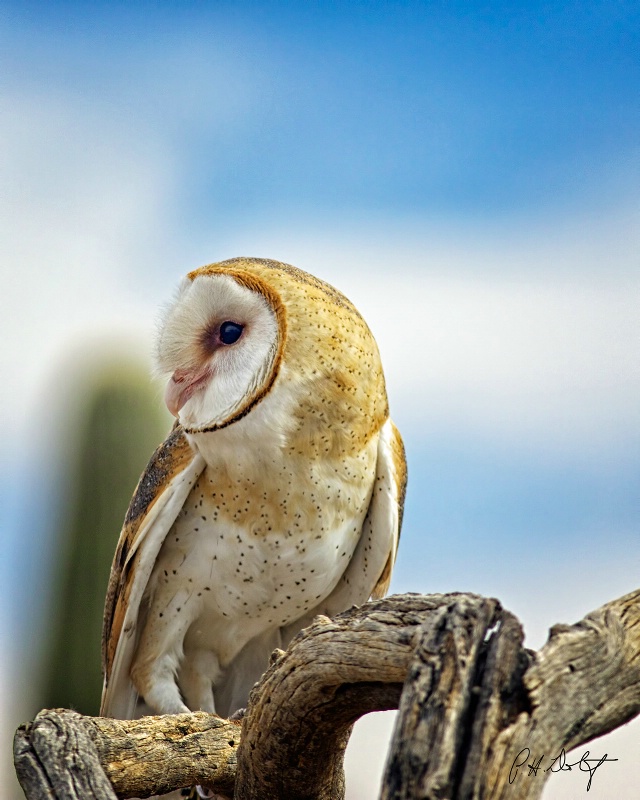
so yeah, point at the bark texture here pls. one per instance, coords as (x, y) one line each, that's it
(56, 758)
(472, 702)
(71, 756)
(454, 699)
(582, 684)
(334, 672)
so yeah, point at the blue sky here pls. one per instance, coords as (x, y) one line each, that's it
(411, 107)
(466, 172)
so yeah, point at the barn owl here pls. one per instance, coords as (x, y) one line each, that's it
(277, 496)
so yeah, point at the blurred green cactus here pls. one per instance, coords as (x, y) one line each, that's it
(118, 426)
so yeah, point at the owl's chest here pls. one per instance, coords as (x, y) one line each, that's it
(265, 546)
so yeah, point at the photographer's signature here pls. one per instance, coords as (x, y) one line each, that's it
(558, 764)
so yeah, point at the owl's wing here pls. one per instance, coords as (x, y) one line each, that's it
(159, 496)
(369, 571)
(386, 509)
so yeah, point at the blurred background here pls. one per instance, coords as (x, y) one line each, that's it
(466, 172)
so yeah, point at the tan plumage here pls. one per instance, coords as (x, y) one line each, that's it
(277, 496)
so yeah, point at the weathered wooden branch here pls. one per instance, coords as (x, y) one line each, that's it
(473, 701)
(582, 684)
(137, 758)
(464, 681)
(200, 748)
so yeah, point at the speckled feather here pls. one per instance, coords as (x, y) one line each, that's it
(291, 503)
(169, 459)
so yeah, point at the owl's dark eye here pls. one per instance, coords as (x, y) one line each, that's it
(230, 332)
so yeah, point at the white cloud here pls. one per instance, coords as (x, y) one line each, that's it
(73, 223)
(512, 358)
(526, 331)
(545, 356)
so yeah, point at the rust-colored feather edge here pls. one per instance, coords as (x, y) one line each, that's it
(170, 458)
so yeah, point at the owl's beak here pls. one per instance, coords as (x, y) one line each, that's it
(183, 385)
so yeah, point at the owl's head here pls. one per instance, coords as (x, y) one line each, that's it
(220, 346)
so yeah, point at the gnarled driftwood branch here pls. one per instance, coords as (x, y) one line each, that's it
(473, 700)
